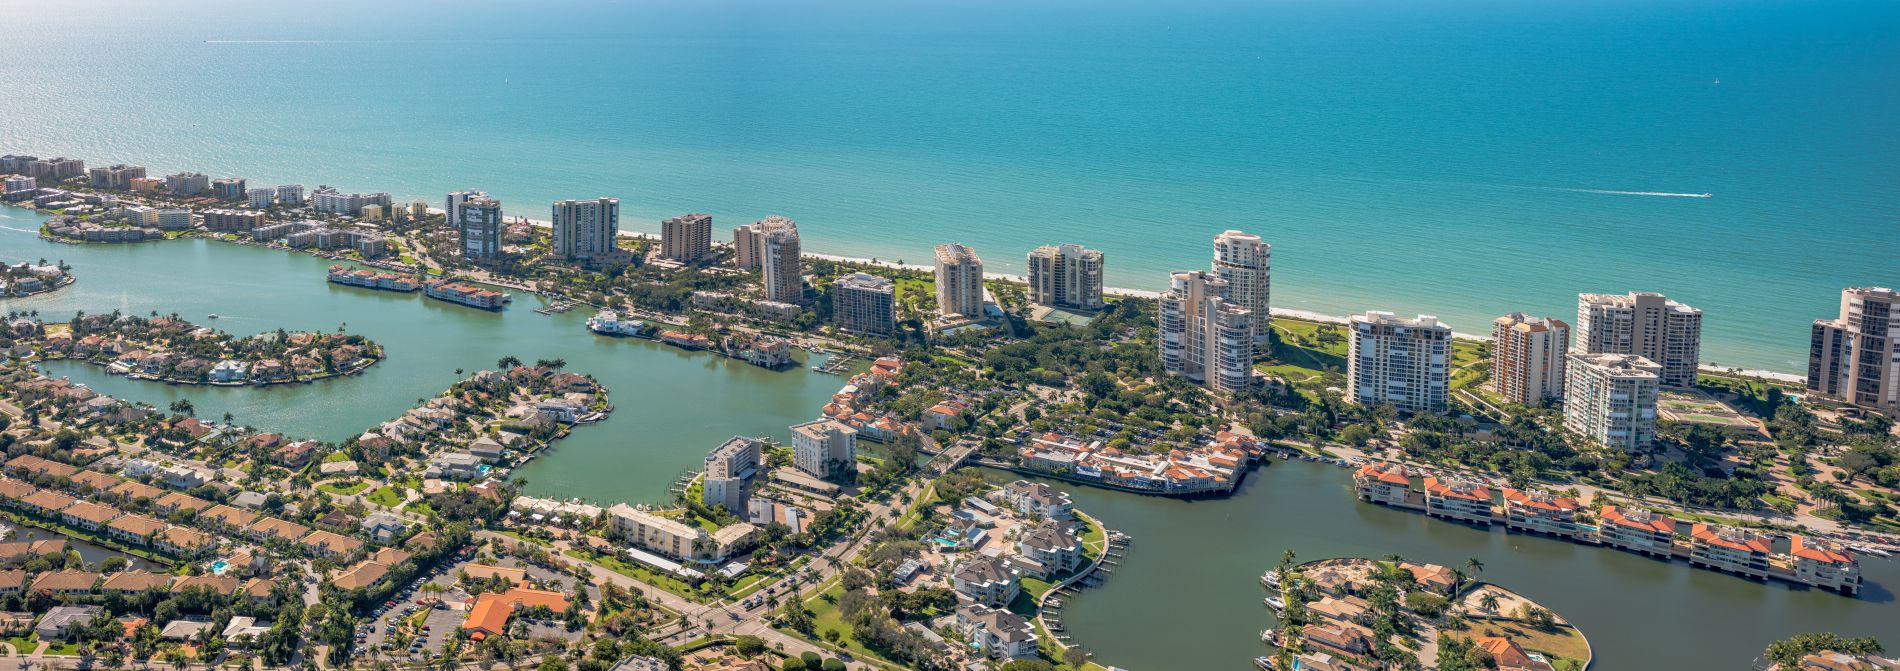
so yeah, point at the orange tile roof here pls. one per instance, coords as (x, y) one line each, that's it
(1389, 474)
(1804, 548)
(1655, 523)
(491, 611)
(1439, 487)
(1505, 651)
(1745, 542)
(1532, 500)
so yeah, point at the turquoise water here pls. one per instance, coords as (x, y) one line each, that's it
(1442, 157)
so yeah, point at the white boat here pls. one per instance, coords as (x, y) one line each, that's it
(213, 315)
(1270, 579)
(1275, 602)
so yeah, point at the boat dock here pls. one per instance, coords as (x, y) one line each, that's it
(556, 308)
(836, 365)
(1049, 611)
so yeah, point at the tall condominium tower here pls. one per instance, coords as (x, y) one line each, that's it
(1066, 276)
(479, 223)
(452, 204)
(780, 259)
(686, 238)
(864, 303)
(1527, 358)
(1855, 358)
(748, 241)
(1402, 362)
(824, 448)
(959, 281)
(730, 469)
(1204, 336)
(1247, 265)
(1646, 324)
(1611, 398)
(583, 228)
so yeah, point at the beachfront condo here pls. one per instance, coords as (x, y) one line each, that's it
(1066, 276)
(586, 228)
(1527, 358)
(114, 177)
(1205, 336)
(959, 274)
(478, 223)
(824, 448)
(686, 238)
(781, 262)
(1855, 358)
(748, 241)
(1645, 324)
(864, 303)
(1247, 265)
(1611, 399)
(187, 183)
(1400, 362)
(329, 200)
(1540, 511)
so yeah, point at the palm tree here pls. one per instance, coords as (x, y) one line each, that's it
(1474, 566)
(183, 407)
(507, 362)
(1489, 602)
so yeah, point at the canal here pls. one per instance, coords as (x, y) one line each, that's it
(1187, 597)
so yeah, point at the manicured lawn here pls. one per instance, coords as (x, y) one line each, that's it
(1559, 642)
(343, 490)
(825, 617)
(385, 496)
(24, 644)
(641, 573)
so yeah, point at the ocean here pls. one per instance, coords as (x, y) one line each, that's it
(1463, 159)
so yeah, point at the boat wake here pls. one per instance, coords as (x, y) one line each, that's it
(1657, 194)
(22, 230)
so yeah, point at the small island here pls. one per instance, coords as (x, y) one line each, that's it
(1355, 613)
(175, 351)
(31, 279)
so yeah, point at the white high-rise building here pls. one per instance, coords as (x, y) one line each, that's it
(1527, 358)
(174, 218)
(1405, 363)
(260, 198)
(1646, 324)
(959, 281)
(729, 472)
(748, 241)
(478, 222)
(1855, 358)
(452, 205)
(583, 228)
(1612, 399)
(864, 303)
(1247, 265)
(1066, 276)
(686, 238)
(1204, 336)
(824, 448)
(782, 263)
(290, 195)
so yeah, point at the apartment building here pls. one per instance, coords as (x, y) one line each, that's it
(824, 448)
(1645, 324)
(959, 274)
(1401, 362)
(233, 220)
(1730, 549)
(675, 539)
(1247, 264)
(1040, 500)
(1540, 511)
(988, 581)
(53, 170)
(686, 238)
(748, 241)
(1458, 499)
(290, 195)
(585, 228)
(995, 633)
(1527, 358)
(478, 225)
(228, 188)
(1204, 336)
(1825, 565)
(329, 200)
(1066, 276)
(174, 218)
(1612, 399)
(1384, 483)
(864, 303)
(1051, 549)
(730, 470)
(187, 183)
(1855, 357)
(114, 177)
(1637, 530)
(260, 198)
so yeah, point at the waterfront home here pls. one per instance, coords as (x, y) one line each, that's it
(1347, 609)
(453, 466)
(1337, 636)
(1540, 511)
(1320, 661)
(1051, 549)
(1038, 500)
(986, 580)
(64, 583)
(685, 340)
(230, 370)
(12, 581)
(1822, 564)
(1383, 483)
(19, 552)
(135, 528)
(1729, 549)
(560, 410)
(295, 455)
(609, 322)
(1509, 656)
(269, 370)
(88, 515)
(57, 622)
(1637, 530)
(1831, 660)
(1432, 576)
(1461, 500)
(996, 633)
(487, 449)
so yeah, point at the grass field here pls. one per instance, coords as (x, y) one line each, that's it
(384, 496)
(343, 490)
